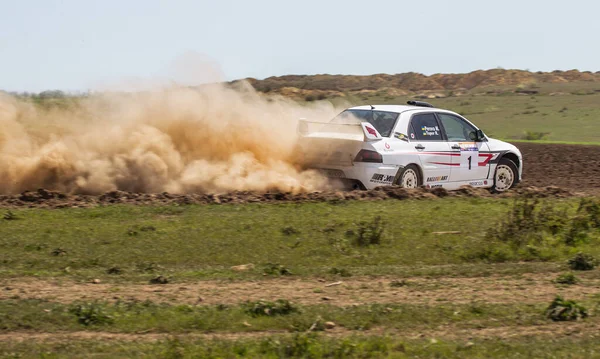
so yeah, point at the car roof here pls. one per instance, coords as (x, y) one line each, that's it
(397, 108)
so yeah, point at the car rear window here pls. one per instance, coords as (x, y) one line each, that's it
(383, 121)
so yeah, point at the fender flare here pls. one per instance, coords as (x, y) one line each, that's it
(401, 168)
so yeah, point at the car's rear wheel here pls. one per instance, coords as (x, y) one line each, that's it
(409, 177)
(506, 176)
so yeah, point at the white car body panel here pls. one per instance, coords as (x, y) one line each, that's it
(444, 163)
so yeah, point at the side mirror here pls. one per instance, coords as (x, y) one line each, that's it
(479, 135)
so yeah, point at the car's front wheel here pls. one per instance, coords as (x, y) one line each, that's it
(409, 177)
(506, 175)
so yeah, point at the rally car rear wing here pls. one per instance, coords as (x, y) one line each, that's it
(363, 131)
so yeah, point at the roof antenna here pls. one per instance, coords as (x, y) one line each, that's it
(372, 107)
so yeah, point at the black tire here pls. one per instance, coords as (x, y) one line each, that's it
(506, 176)
(409, 177)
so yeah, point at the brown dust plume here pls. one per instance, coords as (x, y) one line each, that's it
(180, 140)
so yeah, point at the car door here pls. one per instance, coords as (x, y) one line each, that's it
(431, 147)
(470, 160)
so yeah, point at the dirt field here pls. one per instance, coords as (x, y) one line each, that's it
(574, 167)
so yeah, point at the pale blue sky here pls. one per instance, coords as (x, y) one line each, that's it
(83, 44)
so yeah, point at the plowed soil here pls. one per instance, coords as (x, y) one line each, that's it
(574, 167)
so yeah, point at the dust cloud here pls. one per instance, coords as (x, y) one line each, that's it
(211, 139)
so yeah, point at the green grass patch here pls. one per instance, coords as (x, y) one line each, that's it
(279, 315)
(203, 242)
(561, 119)
(312, 346)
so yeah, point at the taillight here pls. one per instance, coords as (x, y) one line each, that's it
(368, 156)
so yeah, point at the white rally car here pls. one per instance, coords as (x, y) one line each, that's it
(410, 146)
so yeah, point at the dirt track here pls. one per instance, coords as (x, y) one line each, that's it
(530, 289)
(573, 167)
(550, 171)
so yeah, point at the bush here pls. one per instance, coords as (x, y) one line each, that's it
(566, 278)
(368, 233)
(565, 310)
(114, 270)
(398, 283)
(342, 272)
(289, 230)
(269, 309)
(276, 269)
(527, 222)
(9, 215)
(582, 261)
(91, 314)
(532, 135)
(159, 280)
(535, 230)
(590, 209)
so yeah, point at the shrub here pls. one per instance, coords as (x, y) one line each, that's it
(148, 267)
(368, 233)
(269, 309)
(91, 314)
(342, 272)
(159, 280)
(532, 135)
(590, 208)
(58, 252)
(114, 270)
(289, 230)
(526, 223)
(276, 269)
(9, 215)
(565, 310)
(566, 278)
(398, 283)
(582, 261)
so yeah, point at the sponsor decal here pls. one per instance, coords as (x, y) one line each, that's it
(468, 146)
(430, 131)
(387, 147)
(477, 183)
(412, 135)
(379, 178)
(371, 131)
(437, 179)
(400, 136)
(434, 186)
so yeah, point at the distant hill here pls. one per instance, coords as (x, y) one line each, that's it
(437, 85)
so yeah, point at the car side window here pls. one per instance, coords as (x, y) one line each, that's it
(456, 128)
(424, 127)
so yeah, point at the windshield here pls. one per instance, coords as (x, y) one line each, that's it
(383, 121)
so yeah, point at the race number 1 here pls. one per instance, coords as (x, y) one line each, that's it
(469, 156)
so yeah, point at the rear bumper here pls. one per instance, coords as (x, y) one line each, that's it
(362, 175)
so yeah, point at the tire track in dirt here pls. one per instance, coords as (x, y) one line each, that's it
(532, 288)
(551, 330)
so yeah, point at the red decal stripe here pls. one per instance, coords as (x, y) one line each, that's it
(445, 164)
(437, 153)
(488, 157)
